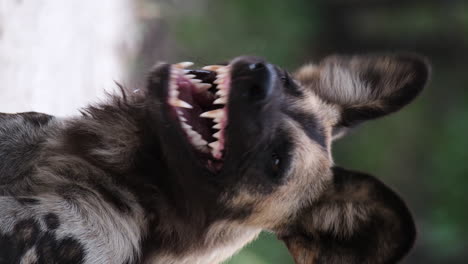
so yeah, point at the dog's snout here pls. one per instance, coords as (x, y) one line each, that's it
(254, 76)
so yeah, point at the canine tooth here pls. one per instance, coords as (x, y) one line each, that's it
(183, 65)
(218, 113)
(212, 67)
(195, 81)
(217, 126)
(221, 100)
(179, 103)
(190, 76)
(203, 86)
(214, 145)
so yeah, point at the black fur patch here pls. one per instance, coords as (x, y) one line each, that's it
(23, 237)
(63, 251)
(52, 221)
(26, 235)
(311, 126)
(27, 201)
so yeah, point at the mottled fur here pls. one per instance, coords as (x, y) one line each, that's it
(121, 184)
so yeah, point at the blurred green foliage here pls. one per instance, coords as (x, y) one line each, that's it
(421, 152)
(225, 29)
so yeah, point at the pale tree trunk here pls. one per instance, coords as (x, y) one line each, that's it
(57, 56)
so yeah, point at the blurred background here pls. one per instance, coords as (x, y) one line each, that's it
(421, 152)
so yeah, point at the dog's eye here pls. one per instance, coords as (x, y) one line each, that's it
(286, 79)
(276, 162)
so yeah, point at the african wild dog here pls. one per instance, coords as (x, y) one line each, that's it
(192, 167)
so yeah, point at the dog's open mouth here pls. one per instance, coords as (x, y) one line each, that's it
(199, 98)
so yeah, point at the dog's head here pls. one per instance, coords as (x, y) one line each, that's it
(263, 137)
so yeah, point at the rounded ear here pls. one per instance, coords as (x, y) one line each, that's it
(358, 220)
(366, 87)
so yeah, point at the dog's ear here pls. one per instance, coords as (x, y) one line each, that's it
(365, 87)
(358, 220)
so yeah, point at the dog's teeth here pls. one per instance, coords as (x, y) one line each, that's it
(200, 142)
(221, 93)
(192, 133)
(173, 93)
(222, 75)
(218, 113)
(183, 65)
(217, 135)
(173, 86)
(218, 81)
(179, 103)
(221, 100)
(212, 67)
(222, 70)
(195, 81)
(189, 76)
(217, 126)
(218, 119)
(182, 118)
(221, 86)
(214, 145)
(186, 126)
(216, 154)
(176, 72)
(202, 86)
(196, 137)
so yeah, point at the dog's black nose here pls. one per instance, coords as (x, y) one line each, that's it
(254, 76)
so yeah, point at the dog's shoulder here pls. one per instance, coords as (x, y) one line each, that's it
(20, 138)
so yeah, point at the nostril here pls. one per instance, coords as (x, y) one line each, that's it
(256, 66)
